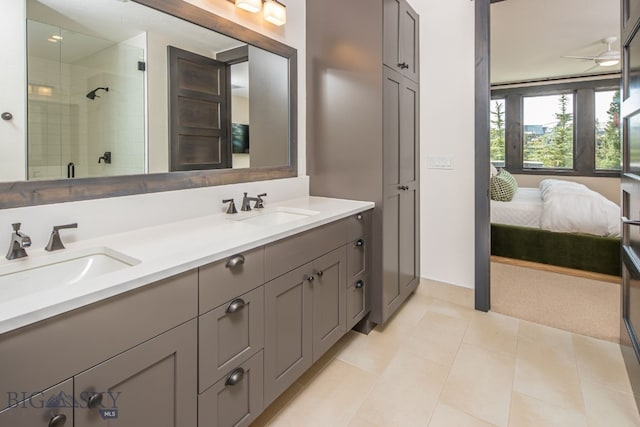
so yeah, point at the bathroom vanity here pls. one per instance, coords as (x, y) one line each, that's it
(216, 319)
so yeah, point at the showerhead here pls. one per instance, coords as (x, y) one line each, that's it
(92, 95)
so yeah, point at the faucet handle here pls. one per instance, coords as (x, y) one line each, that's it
(55, 243)
(16, 226)
(260, 203)
(232, 206)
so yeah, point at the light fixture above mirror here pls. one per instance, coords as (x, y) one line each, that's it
(272, 11)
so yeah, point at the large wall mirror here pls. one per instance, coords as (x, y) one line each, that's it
(126, 97)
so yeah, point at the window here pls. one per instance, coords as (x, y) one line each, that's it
(567, 128)
(548, 132)
(497, 132)
(607, 130)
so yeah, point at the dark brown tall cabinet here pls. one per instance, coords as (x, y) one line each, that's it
(363, 129)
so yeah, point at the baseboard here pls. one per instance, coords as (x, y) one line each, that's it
(555, 269)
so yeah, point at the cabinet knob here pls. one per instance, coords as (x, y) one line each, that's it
(236, 305)
(403, 65)
(235, 377)
(7, 116)
(94, 401)
(57, 420)
(359, 243)
(309, 278)
(359, 217)
(403, 187)
(235, 261)
(359, 284)
(319, 273)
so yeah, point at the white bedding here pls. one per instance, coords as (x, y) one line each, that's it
(560, 206)
(524, 210)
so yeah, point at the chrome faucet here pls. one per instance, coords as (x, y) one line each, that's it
(19, 241)
(55, 242)
(246, 202)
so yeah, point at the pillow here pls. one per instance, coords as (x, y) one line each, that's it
(492, 170)
(503, 186)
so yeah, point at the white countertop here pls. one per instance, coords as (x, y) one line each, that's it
(164, 251)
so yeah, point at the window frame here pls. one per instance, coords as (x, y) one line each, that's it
(584, 159)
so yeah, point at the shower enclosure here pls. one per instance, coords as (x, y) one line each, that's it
(86, 98)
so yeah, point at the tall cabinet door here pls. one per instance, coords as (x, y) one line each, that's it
(152, 384)
(401, 189)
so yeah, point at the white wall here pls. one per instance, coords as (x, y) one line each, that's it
(447, 32)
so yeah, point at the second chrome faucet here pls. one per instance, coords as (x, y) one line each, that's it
(246, 203)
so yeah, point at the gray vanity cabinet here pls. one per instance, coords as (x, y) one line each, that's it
(400, 38)
(152, 384)
(51, 408)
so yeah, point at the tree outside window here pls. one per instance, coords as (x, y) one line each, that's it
(497, 141)
(548, 132)
(607, 130)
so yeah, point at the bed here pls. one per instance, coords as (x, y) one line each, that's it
(560, 223)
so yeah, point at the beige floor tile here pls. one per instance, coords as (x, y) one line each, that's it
(607, 408)
(546, 366)
(452, 310)
(448, 416)
(331, 399)
(359, 422)
(529, 412)
(480, 384)
(446, 292)
(326, 358)
(601, 362)
(371, 353)
(437, 338)
(493, 331)
(277, 405)
(406, 393)
(407, 316)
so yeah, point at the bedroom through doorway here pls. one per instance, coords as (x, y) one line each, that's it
(555, 164)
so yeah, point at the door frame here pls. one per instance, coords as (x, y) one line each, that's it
(482, 238)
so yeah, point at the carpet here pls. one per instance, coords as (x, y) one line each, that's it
(584, 306)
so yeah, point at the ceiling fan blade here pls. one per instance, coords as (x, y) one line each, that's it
(591, 58)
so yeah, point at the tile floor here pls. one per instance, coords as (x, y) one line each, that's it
(438, 362)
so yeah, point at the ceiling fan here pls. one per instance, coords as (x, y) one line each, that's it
(607, 58)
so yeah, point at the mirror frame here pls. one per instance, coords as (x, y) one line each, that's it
(28, 193)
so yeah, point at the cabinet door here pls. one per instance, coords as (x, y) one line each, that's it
(357, 302)
(51, 408)
(152, 384)
(288, 330)
(400, 47)
(329, 304)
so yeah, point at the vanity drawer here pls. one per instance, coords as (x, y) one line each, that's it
(237, 399)
(287, 254)
(229, 335)
(359, 225)
(357, 301)
(357, 257)
(225, 279)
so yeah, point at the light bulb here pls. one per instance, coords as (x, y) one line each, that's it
(275, 12)
(252, 6)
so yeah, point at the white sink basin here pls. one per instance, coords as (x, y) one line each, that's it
(273, 216)
(28, 276)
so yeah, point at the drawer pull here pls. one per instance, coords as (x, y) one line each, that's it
(359, 243)
(359, 217)
(236, 305)
(57, 420)
(94, 401)
(235, 261)
(319, 273)
(309, 278)
(359, 284)
(235, 377)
